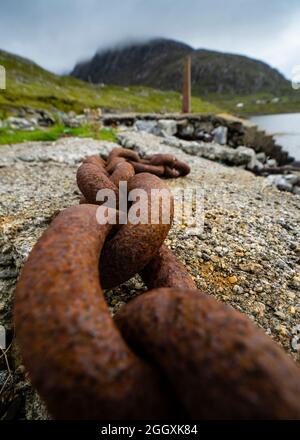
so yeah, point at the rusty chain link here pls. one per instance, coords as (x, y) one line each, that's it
(171, 352)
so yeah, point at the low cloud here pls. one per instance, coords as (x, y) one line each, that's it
(58, 33)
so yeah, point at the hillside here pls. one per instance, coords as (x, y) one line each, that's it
(29, 85)
(158, 64)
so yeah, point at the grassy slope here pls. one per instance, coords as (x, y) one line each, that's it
(30, 85)
(289, 102)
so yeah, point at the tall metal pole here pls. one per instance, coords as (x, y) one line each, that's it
(186, 97)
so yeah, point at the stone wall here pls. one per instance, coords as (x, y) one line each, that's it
(224, 129)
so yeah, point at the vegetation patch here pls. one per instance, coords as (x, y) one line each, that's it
(9, 136)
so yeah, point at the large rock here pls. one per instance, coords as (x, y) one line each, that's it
(245, 155)
(186, 129)
(19, 123)
(284, 182)
(162, 127)
(220, 135)
(168, 126)
(147, 126)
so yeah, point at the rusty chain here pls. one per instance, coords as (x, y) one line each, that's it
(171, 352)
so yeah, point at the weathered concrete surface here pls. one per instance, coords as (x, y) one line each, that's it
(248, 253)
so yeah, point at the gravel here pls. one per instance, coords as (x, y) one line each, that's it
(247, 253)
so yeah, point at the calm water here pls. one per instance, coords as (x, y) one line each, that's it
(286, 129)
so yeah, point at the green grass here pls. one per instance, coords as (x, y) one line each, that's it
(28, 85)
(8, 136)
(289, 102)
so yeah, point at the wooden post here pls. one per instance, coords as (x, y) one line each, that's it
(186, 97)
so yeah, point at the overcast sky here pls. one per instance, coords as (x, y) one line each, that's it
(58, 33)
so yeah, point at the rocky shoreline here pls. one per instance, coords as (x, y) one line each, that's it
(222, 138)
(218, 144)
(224, 129)
(247, 254)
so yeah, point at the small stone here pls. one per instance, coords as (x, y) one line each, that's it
(292, 179)
(280, 314)
(292, 310)
(281, 264)
(238, 289)
(233, 279)
(8, 273)
(296, 281)
(297, 248)
(21, 369)
(189, 245)
(219, 250)
(5, 260)
(295, 345)
(291, 295)
(259, 308)
(281, 329)
(251, 267)
(214, 258)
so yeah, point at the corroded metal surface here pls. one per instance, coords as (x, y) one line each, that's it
(95, 174)
(164, 270)
(134, 245)
(171, 163)
(122, 172)
(113, 163)
(217, 362)
(91, 178)
(147, 168)
(76, 356)
(123, 152)
(162, 165)
(96, 160)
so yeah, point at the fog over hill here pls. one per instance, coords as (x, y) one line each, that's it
(158, 63)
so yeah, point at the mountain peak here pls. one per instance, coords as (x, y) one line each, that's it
(158, 63)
